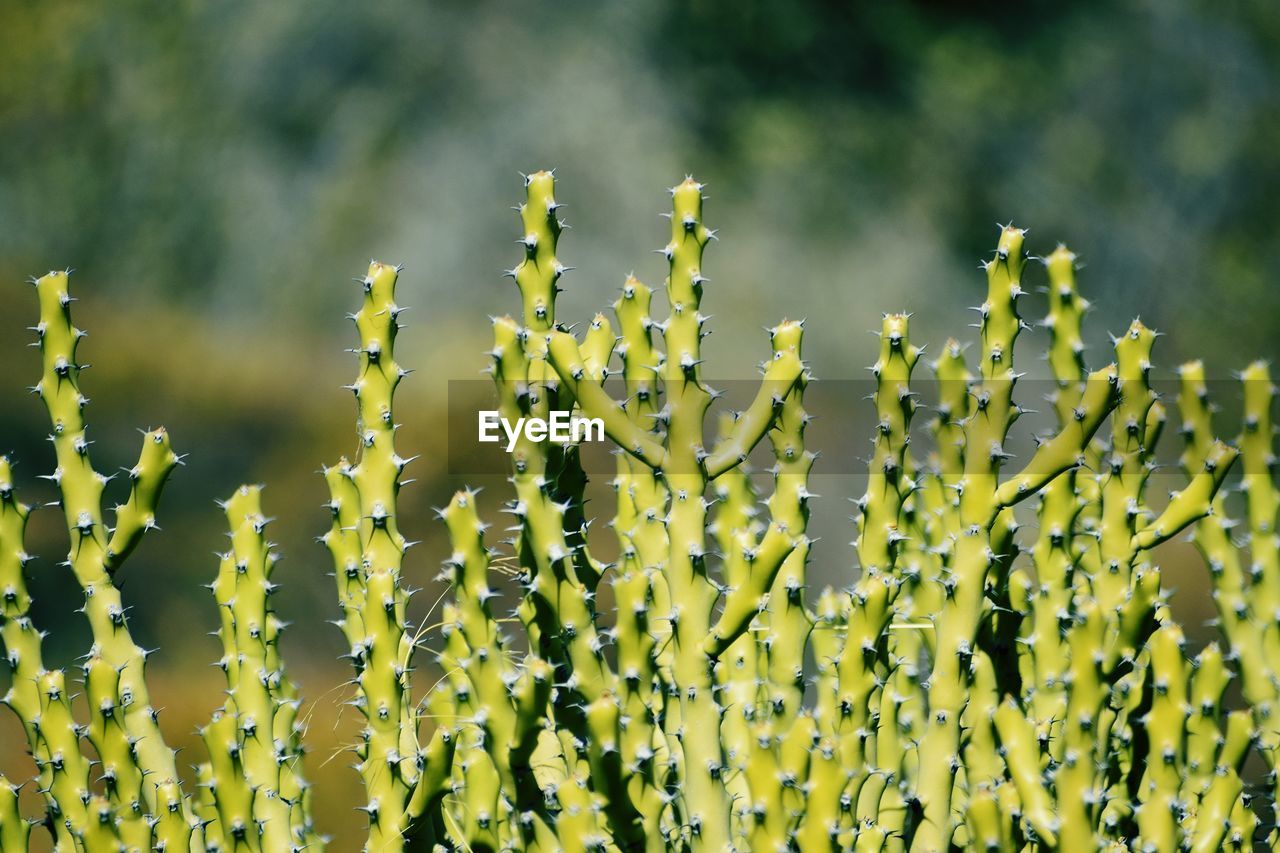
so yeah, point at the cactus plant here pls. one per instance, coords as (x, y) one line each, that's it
(132, 799)
(973, 685)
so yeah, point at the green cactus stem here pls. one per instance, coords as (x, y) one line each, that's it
(265, 739)
(97, 552)
(368, 549)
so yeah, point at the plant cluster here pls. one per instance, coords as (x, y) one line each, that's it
(981, 684)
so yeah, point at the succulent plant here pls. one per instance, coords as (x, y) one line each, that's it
(979, 682)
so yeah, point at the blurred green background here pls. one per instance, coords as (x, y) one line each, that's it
(217, 172)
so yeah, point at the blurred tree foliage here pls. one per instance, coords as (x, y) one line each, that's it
(197, 149)
(1144, 132)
